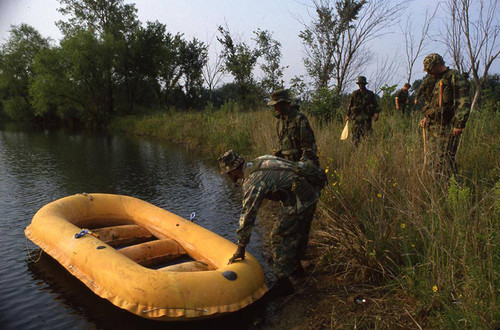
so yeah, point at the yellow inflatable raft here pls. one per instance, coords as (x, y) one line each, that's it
(130, 256)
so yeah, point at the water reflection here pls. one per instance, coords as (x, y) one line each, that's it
(39, 167)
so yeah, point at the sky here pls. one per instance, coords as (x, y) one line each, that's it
(200, 19)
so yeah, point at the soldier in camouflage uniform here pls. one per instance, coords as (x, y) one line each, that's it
(402, 100)
(295, 136)
(296, 185)
(362, 108)
(446, 112)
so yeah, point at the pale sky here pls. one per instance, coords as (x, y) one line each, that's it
(200, 18)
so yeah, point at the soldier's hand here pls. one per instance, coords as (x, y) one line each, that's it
(422, 122)
(239, 254)
(457, 131)
(375, 117)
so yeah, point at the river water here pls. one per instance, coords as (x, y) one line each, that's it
(39, 167)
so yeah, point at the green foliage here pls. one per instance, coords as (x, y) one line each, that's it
(17, 108)
(325, 48)
(240, 60)
(387, 100)
(271, 52)
(16, 70)
(325, 105)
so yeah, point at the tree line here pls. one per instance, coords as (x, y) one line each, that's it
(108, 63)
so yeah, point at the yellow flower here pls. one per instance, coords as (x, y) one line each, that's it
(435, 288)
(413, 245)
(403, 226)
(379, 195)
(326, 170)
(395, 184)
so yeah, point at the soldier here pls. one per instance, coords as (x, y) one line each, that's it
(297, 186)
(446, 112)
(362, 108)
(295, 136)
(402, 100)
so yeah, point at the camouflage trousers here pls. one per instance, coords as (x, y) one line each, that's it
(441, 151)
(289, 238)
(360, 129)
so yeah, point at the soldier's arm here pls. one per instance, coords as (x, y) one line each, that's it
(252, 199)
(462, 102)
(351, 104)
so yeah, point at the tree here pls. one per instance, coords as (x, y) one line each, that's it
(239, 60)
(193, 57)
(336, 41)
(473, 26)
(113, 23)
(270, 49)
(213, 72)
(16, 70)
(414, 47)
(101, 16)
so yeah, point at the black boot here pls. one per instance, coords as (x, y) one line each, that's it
(282, 287)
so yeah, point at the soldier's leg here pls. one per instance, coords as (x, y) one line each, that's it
(306, 218)
(284, 240)
(356, 133)
(450, 153)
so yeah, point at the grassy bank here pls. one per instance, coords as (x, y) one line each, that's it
(381, 220)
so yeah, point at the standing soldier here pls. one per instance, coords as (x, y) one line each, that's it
(402, 100)
(297, 186)
(446, 112)
(362, 108)
(295, 136)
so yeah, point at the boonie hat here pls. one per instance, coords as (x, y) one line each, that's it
(230, 160)
(432, 60)
(278, 96)
(362, 80)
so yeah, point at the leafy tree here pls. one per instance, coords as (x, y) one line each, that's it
(16, 70)
(194, 55)
(270, 50)
(101, 16)
(140, 66)
(336, 41)
(240, 60)
(323, 40)
(73, 79)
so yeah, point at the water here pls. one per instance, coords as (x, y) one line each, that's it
(37, 168)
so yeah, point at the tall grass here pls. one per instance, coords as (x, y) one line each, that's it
(381, 218)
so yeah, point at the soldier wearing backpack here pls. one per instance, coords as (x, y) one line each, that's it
(297, 186)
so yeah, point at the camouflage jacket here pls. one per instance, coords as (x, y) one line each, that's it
(363, 105)
(295, 137)
(455, 101)
(424, 92)
(402, 97)
(270, 177)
